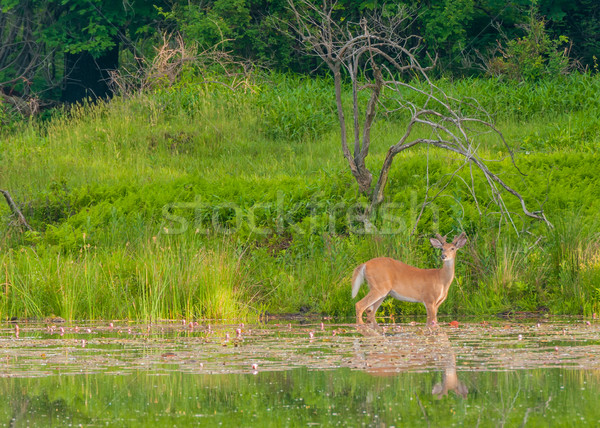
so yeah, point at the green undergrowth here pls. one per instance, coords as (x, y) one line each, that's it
(200, 202)
(149, 280)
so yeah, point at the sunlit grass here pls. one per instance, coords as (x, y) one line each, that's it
(156, 280)
(95, 183)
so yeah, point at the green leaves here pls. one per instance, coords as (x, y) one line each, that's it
(296, 108)
(533, 56)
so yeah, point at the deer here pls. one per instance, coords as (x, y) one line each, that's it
(388, 277)
(450, 380)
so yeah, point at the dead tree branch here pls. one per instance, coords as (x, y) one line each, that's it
(356, 49)
(377, 56)
(171, 58)
(15, 210)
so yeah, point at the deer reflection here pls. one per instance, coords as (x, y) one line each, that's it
(450, 380)
(385, 354)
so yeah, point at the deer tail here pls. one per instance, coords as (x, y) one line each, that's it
(358, 277)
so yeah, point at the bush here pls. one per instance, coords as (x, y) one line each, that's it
(533, 56)
(293, 108)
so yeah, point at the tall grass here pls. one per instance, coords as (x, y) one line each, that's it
(574, 265)
(103, 184)
(156, 280)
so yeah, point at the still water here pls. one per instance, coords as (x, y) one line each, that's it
(300, 374)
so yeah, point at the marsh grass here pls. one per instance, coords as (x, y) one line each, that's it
(574, 264)
(157, 280)
(100, 182)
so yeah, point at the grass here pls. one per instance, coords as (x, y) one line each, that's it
(156, 280)
(122, 195)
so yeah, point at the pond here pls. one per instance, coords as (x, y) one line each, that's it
(300, 373)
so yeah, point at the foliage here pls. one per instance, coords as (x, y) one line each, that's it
(82, 25)
(533, 56)
(245, 223)
(579, 20)
(37, 38)
(445, 24)
(453, 29)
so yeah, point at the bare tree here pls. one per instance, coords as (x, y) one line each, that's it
(377, 56)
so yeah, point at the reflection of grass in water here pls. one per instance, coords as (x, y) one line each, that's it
(298, 397)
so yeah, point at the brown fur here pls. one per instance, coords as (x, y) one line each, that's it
(386, 276)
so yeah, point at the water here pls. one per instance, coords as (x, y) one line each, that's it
(280, 374)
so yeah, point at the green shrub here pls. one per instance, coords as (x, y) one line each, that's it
(533, 56)
(293, 108)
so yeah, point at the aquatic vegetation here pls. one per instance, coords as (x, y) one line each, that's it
(276, 373)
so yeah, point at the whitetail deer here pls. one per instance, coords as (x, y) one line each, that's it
(386, 276)
(450, 380)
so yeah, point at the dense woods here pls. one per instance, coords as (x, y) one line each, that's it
(62, 50)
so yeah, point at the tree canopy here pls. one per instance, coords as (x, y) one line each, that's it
(61, 46)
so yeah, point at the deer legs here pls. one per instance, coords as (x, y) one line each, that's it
(431, 314)
(371, 310)
(370, 303)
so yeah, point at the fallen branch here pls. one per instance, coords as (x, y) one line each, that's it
(16, 211)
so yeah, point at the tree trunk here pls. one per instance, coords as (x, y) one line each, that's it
(356, 163)
(377, 196)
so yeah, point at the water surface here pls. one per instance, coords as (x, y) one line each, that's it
(300, 374)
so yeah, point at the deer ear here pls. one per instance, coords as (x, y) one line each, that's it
(460, 240)
(436, 243)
